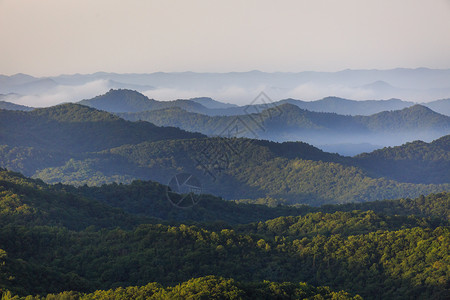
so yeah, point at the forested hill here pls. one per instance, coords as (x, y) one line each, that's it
(78, 128)
(119, 101)
(26, 201)
(412, 162)
(246, 168)
(30, 201)
(79, 145)
(417, 117)
(61, 238)
(289, 122)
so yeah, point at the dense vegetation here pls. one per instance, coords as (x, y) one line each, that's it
(26, 201)
(77, 145)
(75, 128)
(395, 255)
(412, 162)
(252, 169)
(208, 287)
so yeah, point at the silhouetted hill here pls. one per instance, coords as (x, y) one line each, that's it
(350, 107)
(120, 101)
(129, 101)
(442, 106)
(123, 100)
(211, 103)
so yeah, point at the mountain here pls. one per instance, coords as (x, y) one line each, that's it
(26, 85)
(11, 106)
(350, 107)
(123, 100)
(287, 122)
(76, 128)
(411, 161)
(112, 84)
(211, 103)
(442, 106)
(417, 117)
(120, 101)
(417, 85)
(130, 101)
(79, 145)
(15, 80)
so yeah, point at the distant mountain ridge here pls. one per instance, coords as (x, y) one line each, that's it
(76, 144)
(418, 85)
(350, 107)
(122, 101)
(288, 122)
(11, 106)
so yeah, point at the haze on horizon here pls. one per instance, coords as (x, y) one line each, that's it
(48, 38)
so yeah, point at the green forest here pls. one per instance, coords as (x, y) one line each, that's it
(88, 208)
(91, 243)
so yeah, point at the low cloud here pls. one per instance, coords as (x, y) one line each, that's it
(311, 91)
(228, 94)
(62, 94)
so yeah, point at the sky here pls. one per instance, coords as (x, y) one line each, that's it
(52, 37)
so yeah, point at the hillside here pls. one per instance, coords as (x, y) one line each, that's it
(120, 101)
(442, 106)
(352, 251)
(412, 162)
(11, 106)
(78, 145)
(417, 117)
(211, 103)
(242, 168)
(30, 201)
(75, 128)
(287, 122)
(26, 202)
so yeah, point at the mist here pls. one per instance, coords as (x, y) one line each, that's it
(417, 85)
(61, 94)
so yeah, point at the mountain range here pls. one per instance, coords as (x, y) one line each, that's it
(76, 144)
(125, 101)
(97, 211)
(419, 85)
(287, 121)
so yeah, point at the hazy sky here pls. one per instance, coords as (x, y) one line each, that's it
(51, 37)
